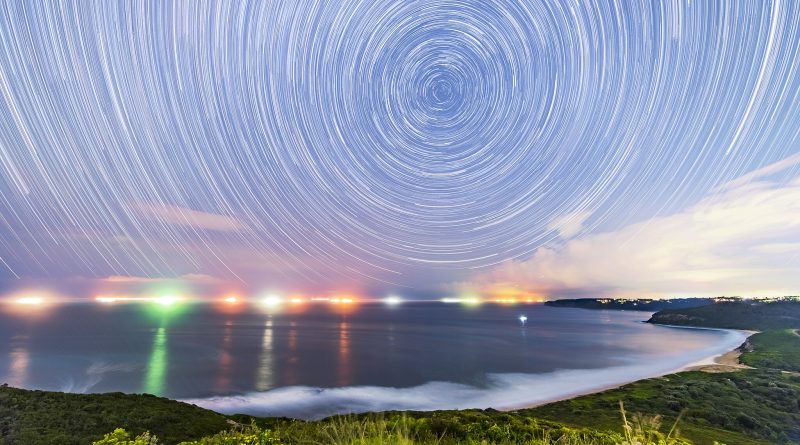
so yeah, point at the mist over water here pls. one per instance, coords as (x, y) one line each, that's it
(320, 361)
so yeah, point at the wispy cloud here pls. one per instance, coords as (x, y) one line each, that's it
(763, 172)
(189, 278)
(197, 284)
(740, 240)
(571, 224)
(182, 216)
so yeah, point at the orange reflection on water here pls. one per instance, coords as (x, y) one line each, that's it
(19, 359)
(344, 370)
(223, 382)
(291, 363)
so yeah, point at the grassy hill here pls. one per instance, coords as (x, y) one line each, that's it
(748, 314)
(774, 349)
(746, 407)
(42, 417)
(50, 418)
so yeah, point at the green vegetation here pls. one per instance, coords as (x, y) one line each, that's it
(238, 435)
(773, 349)
(405, 429)
(747, 314)
(437, 427)
(122, 437)
(41, 417)
(746, 407)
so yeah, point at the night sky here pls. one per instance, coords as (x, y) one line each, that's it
(422, 147)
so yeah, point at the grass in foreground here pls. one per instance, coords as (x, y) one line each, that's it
(402, 430)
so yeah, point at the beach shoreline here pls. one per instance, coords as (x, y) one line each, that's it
(716, 363)
(505, 392)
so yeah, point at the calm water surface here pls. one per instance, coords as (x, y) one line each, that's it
(319, 361)
(199, 351)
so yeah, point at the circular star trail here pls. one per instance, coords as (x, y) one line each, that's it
(386, 141)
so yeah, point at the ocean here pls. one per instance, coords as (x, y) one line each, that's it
(317, 360)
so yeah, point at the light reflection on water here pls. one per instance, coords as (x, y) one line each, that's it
(156, 374)
(198, 351)
(290, 373)
(264, 379)
(225, 360)
(19, 359)
(344, 372)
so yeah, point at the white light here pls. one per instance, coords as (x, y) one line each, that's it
(272, 300)
(167, 300)
(393, 300)
(523, 319)
(30, 300)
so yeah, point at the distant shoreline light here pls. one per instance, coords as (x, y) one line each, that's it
(235, 302)
(33, 301)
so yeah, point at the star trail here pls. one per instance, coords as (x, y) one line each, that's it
(374, 144)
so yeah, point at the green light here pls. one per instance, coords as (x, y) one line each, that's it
(155, 378)
(166, 307)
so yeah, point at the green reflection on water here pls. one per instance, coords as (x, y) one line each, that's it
(155, 378)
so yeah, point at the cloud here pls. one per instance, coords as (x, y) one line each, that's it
(571, 224)
(771, 169)
(743, 239)
(195, 278)
(185, 217)
(195, 284)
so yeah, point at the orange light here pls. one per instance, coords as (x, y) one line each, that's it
(506, 300)
(230, 304)
(32, 303)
